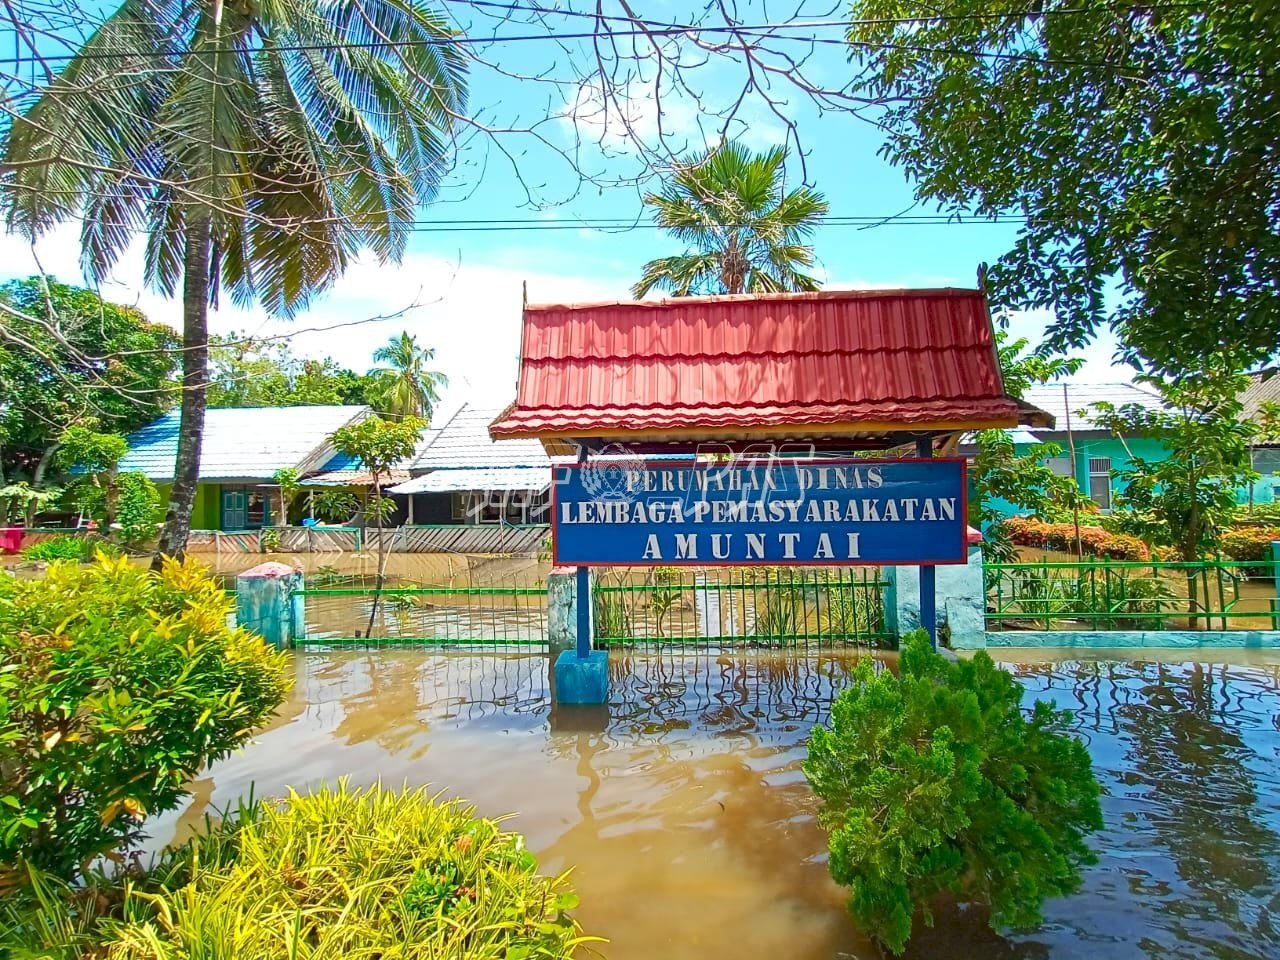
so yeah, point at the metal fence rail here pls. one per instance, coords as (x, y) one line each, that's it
(761, 607)
(471, 618)
(716, 610)
(1101, 594)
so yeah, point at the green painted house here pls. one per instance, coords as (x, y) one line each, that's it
(243, 447)
(1091, 453)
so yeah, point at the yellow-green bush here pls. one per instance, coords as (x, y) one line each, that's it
(117, 685)
(335, 875)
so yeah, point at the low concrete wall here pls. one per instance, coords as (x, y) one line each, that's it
(961, 601)
(1101, 639)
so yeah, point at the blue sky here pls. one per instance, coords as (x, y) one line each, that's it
(462, 290)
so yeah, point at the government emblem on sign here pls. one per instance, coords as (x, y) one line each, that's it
(605, 476)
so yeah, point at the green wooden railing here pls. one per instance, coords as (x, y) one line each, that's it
(1101, 594)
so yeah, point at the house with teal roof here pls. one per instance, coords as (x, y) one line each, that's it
(243, 447)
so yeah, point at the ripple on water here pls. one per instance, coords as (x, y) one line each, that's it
(691, 828)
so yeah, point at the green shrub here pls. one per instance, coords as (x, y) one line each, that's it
(848, 609)
(116, 686)
(339, 873)
(937, 781)
(70, 547)
(1263, 514)
(138, 511)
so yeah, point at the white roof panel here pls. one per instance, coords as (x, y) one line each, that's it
(243, 442)
(478, 478)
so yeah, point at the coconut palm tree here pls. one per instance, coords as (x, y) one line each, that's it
(257, 143)
(404, 387)
(742, 232)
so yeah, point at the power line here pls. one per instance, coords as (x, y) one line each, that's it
(534, 226)
(648, 29)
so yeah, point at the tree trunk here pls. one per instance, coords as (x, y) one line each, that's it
(195, 379)
(37, 478)
(111, 503)
(382, 555)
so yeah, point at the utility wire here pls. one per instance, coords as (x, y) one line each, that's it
(652, 29)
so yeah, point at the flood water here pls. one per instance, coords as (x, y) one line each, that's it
(691, 828)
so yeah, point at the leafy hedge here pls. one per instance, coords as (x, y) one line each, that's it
(339, 873)
(117, 686)
(1094, 541)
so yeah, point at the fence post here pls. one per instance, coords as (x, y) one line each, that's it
(902, 600)
(562, 610)
(265, 602)
(1275, 583)
(962, 595)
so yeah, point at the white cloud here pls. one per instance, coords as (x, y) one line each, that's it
(468, 311)
(1097, 356)
(648, 112)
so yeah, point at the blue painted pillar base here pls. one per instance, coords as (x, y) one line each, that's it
(265, 603)
(582, 679)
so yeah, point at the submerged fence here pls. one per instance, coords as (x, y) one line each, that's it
(497, 617)
(1132, 595)
(765, 608)
(762, 607)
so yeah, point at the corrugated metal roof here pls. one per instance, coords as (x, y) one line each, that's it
(355, 478)
(344, 462)
(243, 443)
(448, 479)
(694, 364)
(1264, 387)
(1080, 397)
(464, 441)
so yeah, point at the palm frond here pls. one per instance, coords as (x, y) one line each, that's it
(740, 229)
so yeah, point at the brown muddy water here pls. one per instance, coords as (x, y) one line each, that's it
(691, 828)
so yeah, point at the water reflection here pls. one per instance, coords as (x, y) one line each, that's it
(1190, 860)
(691, 828)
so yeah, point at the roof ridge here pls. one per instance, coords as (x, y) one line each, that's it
(798, 296)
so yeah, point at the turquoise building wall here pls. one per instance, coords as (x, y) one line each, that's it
(1091, 446)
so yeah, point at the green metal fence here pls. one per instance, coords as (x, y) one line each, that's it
(460, 617)
(760, 607)
(1132, 595)
(697, 609)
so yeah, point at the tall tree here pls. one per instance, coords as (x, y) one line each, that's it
(403, 386)
(1186, 498)
(742, 230)
(253, 373)
(257, 144)
(68, 357)
(1136, 142)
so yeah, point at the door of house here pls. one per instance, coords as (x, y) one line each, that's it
(235, 508)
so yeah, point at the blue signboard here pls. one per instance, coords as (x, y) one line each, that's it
(776, 512)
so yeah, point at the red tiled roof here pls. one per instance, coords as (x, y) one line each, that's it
(909, 357)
